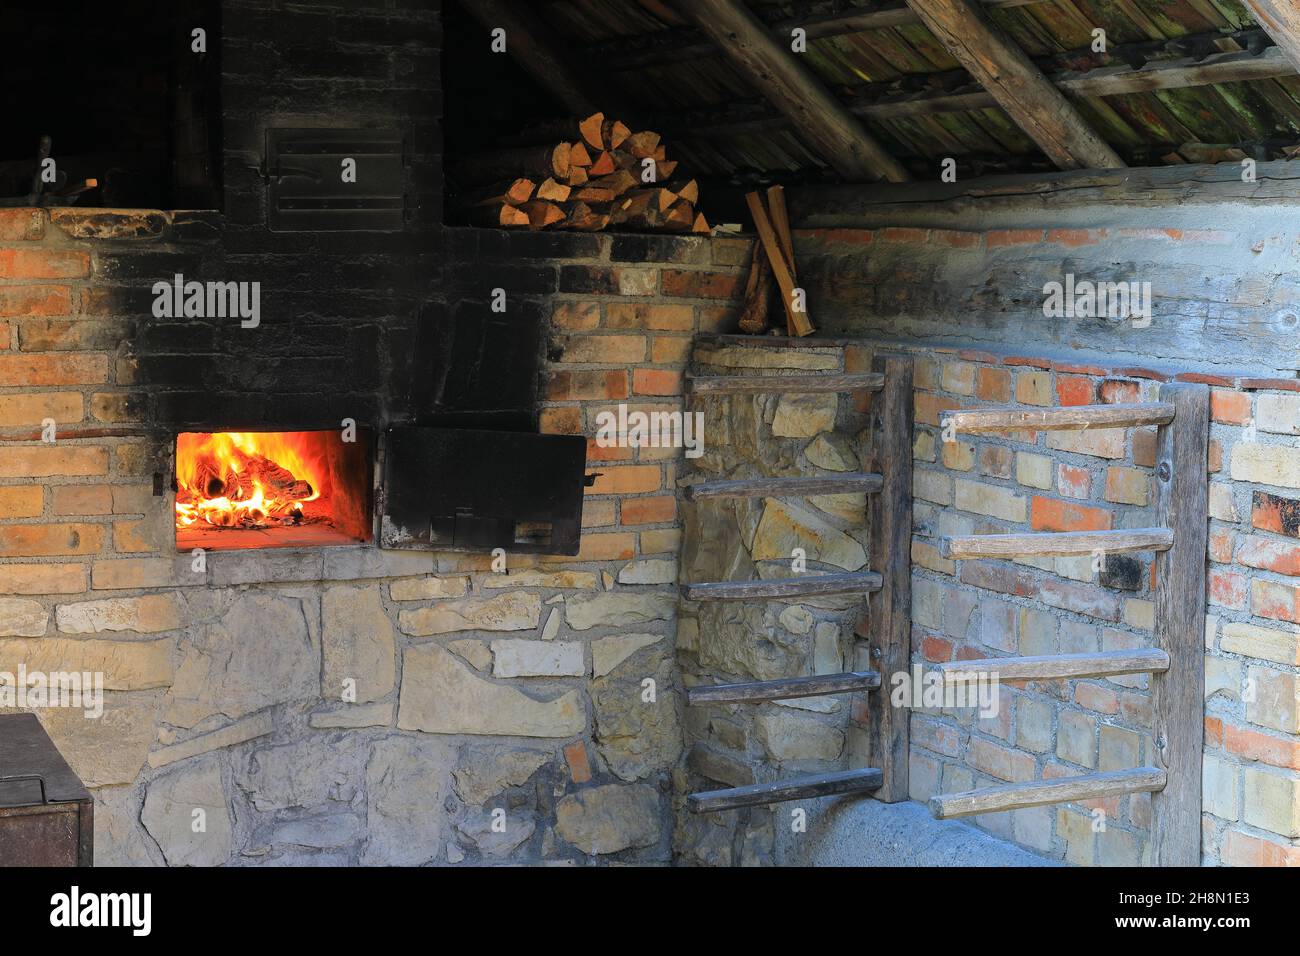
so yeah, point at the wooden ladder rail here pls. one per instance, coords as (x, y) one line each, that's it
(1176, 662)
(889, 489)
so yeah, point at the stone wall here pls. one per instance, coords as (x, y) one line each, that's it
(475, 692)
(771, 435)
(956, 273)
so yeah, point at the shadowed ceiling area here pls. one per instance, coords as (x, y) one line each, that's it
(1179, 81)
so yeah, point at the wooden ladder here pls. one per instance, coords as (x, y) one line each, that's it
(889, 490)
(1176, 663)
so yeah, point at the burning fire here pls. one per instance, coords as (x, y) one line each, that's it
(248, 479)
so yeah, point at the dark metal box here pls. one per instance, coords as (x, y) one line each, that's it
(47, 817)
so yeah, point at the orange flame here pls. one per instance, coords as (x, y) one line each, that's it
(248, 479)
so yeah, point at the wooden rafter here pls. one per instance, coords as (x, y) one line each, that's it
(831, 131)
(1280, 20)
(1019, 87)
(1237, 67)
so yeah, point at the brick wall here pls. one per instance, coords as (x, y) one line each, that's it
(544, 666)
(1101, 480)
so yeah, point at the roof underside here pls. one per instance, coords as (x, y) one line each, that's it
(923, 107)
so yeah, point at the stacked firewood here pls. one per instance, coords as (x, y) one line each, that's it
(608, 176)
(773, 259)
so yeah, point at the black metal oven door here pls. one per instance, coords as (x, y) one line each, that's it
(462, 489)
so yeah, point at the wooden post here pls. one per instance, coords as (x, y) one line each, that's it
(890, 624)
(1177, 695)
(1020, 88)
(830, 129)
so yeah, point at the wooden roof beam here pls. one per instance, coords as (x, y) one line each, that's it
(1280, 20)
(831, 131)
(1019, 87)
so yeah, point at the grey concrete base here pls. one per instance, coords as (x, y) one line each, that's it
(853, 831)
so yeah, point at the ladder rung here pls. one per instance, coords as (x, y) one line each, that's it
(754, 384)
(776, 487)
(807, 586)
(795, 788)
(1056, 543)
(787, 689)
(1148, 660)
(1014, 796)
(1056, 419)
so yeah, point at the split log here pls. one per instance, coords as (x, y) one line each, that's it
(578, 156)
(701, 225)
(496, 217)
(643, 145)
(577, 176)
(552, 191)
(587, 218)
(798, 322)
(603, 164)
(542, 213)
(614, 134)
(664, 170)
(591, 130)
(513, 192)
(690, 190)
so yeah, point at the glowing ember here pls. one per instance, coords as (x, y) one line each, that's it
(248, 479)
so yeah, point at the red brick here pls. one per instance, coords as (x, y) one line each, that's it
(21, 224)
(1276, 601)
(653, 510)
(32, 461)
(44, 264)
(1277, 514)
(1242, 849)
(1144, 447)
(670, 350)
(82, 500)
(595, 453)
(936, 650)
(21, 502)
(23, 300)
(1221, 545)
(1258, 552)
(1231, 408)
(700, 285)
(998, 577)
(1076, 237)
(617, 546)
(4, 335)
(852, 237)
(1213, 732)
(1254, 745)
(576, 316)
(1074, 390)
(1073, 482)
(902, 235)
(954, 238)
(561, 421)
(1097, 698)
(1051, 514)
(1117, 392)
(993, 384)
(1029, 361)
(1215, 464)
(655, 381)
(1227, 588)
(575, 755)
(42, 540)
(71, 369)
(627, 480)
(580, 385)
(643, 315)
(928, 407)
(1013, 237)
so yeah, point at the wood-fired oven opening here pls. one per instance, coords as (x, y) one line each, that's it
(272, 489)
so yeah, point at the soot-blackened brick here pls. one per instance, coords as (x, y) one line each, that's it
(1123, 572)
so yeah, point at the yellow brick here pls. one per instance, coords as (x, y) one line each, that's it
(1266, 464)
(1034, 388)
(63, 407)
(1272, 802)
(958, 456)
(990, 500)
(36, 461)
(42, 579)
(1033, 470)
(1128, 486)
(21, 502)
